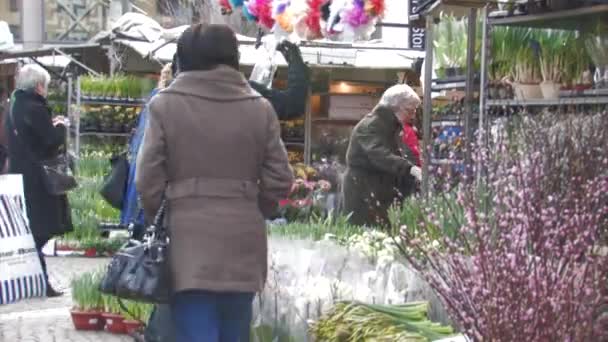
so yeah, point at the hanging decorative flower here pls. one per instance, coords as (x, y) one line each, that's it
(313, 19)
(262, 11)
(374, 8)
(225, 7)
(356, 15)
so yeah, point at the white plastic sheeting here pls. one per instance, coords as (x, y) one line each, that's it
(305, 278)
(6, 37)
(150, 40)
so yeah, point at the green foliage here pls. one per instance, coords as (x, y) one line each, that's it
(556, 53)
(88, 207)
(429, 220)
(451, 43)
(85, 291)
(118, 86)
(353, 321)
(336, 226)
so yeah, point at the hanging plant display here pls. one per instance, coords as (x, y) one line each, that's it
(342, 20)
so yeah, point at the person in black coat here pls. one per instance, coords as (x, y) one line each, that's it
(33, 135)
(291, 102)
(3, 147)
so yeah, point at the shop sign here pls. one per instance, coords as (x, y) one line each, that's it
(417, 37)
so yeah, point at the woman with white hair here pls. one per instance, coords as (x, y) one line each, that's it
(33, 136)
(375, 160)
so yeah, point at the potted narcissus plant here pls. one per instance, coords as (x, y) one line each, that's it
(114, 320)
(136, 315)
(86, 313)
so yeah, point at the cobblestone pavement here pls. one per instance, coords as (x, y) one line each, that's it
(48, 320)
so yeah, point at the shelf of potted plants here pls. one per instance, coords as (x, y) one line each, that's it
(570, 19)
(564, 101)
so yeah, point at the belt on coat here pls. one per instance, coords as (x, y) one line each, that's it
(212, 187)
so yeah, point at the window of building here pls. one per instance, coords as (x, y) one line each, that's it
(16, 31)
(168, 7)
(14, 5)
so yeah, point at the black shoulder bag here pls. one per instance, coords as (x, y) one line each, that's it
(57, 172)
(115, 183)
(140, 270)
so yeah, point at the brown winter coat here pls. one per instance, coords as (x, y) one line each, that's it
(217, 143)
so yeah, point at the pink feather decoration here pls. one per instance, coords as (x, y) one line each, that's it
(357, 16)
(262, 10)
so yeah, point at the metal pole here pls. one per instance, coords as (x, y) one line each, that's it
(308, 131)
(483, 77)
(470, 85)
(69, 111)
(482, 139)
(427, 105)
(77, 119)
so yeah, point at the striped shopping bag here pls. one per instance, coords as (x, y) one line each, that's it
(20, 270)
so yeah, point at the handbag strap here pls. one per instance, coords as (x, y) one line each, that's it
(124, 308)
(157, 228)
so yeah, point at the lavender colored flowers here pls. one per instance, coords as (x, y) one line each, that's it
(529, 262)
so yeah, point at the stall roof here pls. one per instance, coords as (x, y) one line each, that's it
(370, 56)
(57, 61)
(149, 40)
(46, 50)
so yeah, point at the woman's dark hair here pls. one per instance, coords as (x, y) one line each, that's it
(203, 47)
(174, 65)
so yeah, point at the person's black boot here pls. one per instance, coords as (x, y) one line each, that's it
(52, 293)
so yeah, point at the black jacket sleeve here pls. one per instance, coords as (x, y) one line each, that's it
(39, 120)
(291, 102)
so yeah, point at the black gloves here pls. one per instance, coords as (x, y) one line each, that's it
(290, 51)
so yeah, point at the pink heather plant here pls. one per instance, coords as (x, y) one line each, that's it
(529, 262)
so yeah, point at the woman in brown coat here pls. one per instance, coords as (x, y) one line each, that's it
(216, 143)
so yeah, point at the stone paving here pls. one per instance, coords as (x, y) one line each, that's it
(48, 320)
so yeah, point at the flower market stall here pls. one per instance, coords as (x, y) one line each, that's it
(346, 82)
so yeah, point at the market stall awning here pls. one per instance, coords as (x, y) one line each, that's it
(46, 50)
(150, 41)
(371, 56)
(57, 61)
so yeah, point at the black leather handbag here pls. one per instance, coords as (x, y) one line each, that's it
(140, 270)
(115, 183)
(58, 176)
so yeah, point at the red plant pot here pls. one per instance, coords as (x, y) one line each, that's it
(114, 323)
(87, 320)
(90, 252)
(63, 248)
(132, 326)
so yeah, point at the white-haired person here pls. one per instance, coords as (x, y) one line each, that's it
(375, 160)
(33, 136)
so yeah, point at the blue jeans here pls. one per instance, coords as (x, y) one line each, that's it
(203, 316)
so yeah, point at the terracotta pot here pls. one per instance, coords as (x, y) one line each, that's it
(87, 320)
(132, 326)
(90, 252)
(114, 323)
(527, 91)
(550, 90)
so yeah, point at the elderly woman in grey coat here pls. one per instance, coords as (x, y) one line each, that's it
(375, 158)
